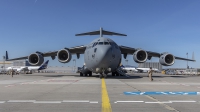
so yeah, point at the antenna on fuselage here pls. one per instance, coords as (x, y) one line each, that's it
(101, 32)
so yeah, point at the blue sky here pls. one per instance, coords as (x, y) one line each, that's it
(170, 26)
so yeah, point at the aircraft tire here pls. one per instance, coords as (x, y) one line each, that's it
(100, 76)
(113, 73)
(90, 74)
(117, 74)
(81, 74)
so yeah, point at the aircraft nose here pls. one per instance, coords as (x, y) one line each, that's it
(104, 56)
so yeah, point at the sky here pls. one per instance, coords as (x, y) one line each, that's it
(173, 26)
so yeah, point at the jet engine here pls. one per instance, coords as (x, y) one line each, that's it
(35, 59)
(140, 56)
(64, 56)
(167, 59)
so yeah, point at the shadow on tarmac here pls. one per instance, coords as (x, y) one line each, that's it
(76, 75)
(135, 76)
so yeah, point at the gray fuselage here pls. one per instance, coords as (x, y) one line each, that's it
(102, 55)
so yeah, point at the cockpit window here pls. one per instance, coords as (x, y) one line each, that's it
(100, 43)
(94, 44)
(106, 43)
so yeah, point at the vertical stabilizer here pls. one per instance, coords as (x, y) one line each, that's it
(101, 34)
(7, 55)
(44, 65)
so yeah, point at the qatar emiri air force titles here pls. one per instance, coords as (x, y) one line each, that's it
(102, 55)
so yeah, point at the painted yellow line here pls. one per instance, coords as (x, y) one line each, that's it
(106, 107)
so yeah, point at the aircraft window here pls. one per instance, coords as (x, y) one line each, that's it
(94, 44)
(100, 43)
(106, 43)
(95, 50)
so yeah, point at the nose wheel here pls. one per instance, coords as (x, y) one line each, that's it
(102, 75)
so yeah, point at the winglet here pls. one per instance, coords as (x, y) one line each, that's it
(122, 66)
(44, 65)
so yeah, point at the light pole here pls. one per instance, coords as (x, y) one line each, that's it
(4, 59)
(74, 64)
(187, 60)
(126, 62)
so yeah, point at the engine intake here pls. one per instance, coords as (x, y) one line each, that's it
(64, 56)
(140, 56)
(167, 59)
(35, 59)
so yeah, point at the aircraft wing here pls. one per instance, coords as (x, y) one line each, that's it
(25, 57)
(73, 50)
(129, 50)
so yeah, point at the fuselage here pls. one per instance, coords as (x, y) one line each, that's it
(24, 68)
(16, 68)
(147, 69)
(129, 68)
(102, 55)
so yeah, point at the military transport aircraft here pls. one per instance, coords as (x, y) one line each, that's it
(102, 55)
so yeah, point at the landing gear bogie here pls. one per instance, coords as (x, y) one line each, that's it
(81, 74)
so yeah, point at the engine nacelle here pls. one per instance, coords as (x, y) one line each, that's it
(167, 59)
(64, 56)
(35, 59)
(140, 56)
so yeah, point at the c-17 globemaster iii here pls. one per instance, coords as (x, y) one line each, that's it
(102, 55)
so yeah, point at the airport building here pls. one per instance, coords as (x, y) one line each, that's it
(52, 69)
(150, 64)
(5, 64)
(59, 69)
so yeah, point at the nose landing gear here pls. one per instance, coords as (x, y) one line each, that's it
(103, 75)
(104, 72)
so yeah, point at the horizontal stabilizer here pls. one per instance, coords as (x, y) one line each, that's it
(101, 32)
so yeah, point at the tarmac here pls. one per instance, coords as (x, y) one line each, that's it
(68, 92)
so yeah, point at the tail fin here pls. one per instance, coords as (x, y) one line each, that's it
(7, 55)
(101, 32)
(122, 66)
(44, 65)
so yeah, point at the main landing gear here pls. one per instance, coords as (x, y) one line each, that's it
(87, 74)
(115, 74)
